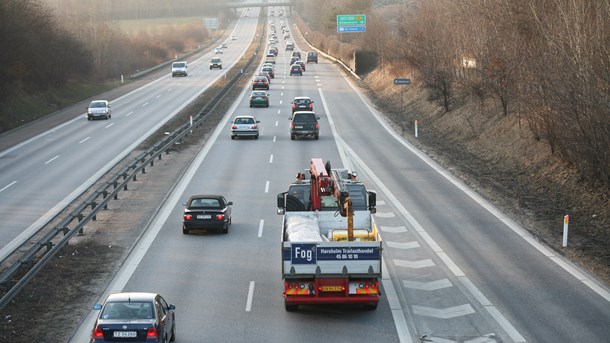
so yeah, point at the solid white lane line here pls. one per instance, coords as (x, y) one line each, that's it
(250, 296)
(109, 125)
(260, 228)
(128, 114)
(84, 140)
(51, 160)
(267, 187)
(7, 186)
(271, 158)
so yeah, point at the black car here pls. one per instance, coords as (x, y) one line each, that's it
(260, 82)
(134, 317)
(207, 211)
(296, 69)
(304, 124)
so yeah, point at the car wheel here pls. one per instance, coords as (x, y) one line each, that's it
(106, 117)
(316, 137)
(267, 105)
(256, 137)
(232, 137)
(290, 308)
(185, 230)
(370, 307)
(250, 105)
(110, 116)
(88, 118)
(173, 338)
(225, 229)
(292, 137)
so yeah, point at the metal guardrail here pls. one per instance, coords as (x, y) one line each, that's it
(30, 263)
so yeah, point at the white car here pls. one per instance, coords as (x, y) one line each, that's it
(218, 50)
(99, 109)
(244, 126)
(233, 37)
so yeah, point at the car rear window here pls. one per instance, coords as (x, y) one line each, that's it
(128, 310)
(179, 65)
(207, 203)
(304, 117)
(98, 104)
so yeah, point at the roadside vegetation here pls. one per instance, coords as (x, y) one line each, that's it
(515, 93)
(55, 53)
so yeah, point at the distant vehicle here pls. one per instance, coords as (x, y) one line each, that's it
(302, 64)
(134, 317)
(265, 74)
(296, 69)
(223, 45)
(218, 50)
(296, 54)
(304, 124)
(270, 58)
(302, 103)
(260, 82)
(215, 62)
(273, 50)
(233, 37)
(312, 56)
(99, 109)
(244, 126)
(293, 60)
(259, 99)
(289, 45)
(206, 211)
(269, 70)
(179, 69)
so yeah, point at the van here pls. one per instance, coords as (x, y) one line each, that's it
(179, 68)
(289, 46)
(312, 56)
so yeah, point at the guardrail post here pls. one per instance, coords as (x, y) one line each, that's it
(143, 170)
(64, 230)
(134, 178)
(80, 231)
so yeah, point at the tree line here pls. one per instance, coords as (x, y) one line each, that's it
(545, 61)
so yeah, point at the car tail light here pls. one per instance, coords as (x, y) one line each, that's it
(310, 105)
(294, 106)
(152, 332)
(98, 333)
(253, 127)
(233, 127)
(292, 125)
(220, 216)
(317, 126)
(188, 217)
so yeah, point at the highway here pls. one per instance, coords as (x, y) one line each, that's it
(42, 175)
(456, 268)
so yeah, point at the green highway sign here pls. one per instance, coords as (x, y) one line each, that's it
(351, 19)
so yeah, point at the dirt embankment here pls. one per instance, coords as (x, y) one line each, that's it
(499, 158)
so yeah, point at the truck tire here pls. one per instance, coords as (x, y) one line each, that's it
(290, 308)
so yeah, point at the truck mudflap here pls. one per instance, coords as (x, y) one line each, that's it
(331, 291)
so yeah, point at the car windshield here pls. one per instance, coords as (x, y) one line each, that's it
(98, 104)
(128, 310)
(179, 65)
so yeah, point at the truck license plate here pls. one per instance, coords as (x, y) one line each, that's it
(125, 334)
(204, 216)
(332, 289)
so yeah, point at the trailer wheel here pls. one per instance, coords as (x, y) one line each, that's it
(290, 308)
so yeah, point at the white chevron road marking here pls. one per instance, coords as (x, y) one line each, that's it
(414, 264)
(444, 313)
(427, 286)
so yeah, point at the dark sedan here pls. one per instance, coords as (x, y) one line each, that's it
(207, 212)
(296, 69)
(134, 317)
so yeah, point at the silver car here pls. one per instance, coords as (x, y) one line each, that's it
(244, 126)
(99, 109)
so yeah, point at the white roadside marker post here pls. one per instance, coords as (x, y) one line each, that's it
(416, 129)
(566, 219)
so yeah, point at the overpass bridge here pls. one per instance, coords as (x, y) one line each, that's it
(264, 3)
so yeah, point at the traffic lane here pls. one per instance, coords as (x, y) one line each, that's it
(140, 106)
(436, 204)
(232, 261)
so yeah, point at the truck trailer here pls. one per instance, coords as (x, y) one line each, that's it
(331, 249)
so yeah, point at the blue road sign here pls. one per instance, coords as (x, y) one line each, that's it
(351, 28)
(402, 81)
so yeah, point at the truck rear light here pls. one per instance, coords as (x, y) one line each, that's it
(152, 332)
(220, 216)
(188, 216)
